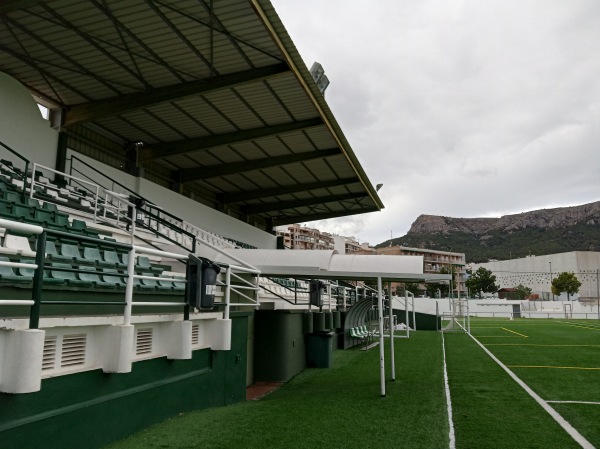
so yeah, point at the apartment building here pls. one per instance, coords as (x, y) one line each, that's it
(434, 261)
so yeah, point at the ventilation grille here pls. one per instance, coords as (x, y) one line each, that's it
(143, 343)
(195, 334)
(49, 356)
(73, 350)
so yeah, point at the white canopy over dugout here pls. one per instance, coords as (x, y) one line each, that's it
(328, 264)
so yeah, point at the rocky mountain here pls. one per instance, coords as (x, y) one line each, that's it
(537, 232)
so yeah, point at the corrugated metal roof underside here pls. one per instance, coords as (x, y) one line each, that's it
(217, 99)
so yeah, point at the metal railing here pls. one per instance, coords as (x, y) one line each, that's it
(95, 189)
(36, 301)
(25, 172)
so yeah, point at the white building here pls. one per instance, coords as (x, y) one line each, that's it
(537, 272)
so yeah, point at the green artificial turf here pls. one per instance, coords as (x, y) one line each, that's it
(339, 407)
(550, 362)
(489, 409)
(342, 407)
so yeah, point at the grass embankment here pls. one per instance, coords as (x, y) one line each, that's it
(339, 407)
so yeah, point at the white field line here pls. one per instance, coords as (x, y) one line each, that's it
(580, 439)
(590, 326)
(574, 402)
(451, 436)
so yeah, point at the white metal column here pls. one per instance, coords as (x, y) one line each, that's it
(381, 352)
(391, 331)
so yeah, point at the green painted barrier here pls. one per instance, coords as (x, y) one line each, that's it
(328, 320)
(307, 323)
(318, 321)
(337, 320)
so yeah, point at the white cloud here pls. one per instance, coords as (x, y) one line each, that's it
(461, 107)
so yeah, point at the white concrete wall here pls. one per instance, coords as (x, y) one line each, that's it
(205, 217)
(501, 308)
(189, 210)
(536, 272)
(22, 127)
(339, 244)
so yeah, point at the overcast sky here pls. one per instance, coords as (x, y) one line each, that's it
(462, 108)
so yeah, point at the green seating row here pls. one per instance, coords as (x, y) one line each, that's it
(65, 274)
(289, 283)
(361, 332)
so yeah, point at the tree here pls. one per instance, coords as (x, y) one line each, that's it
(522, 291)
(565, 282)
(482, 281)
(444, 286)
(412, 287)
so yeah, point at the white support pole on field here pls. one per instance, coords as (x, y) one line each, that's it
(406, 313)
(381, 353)
(391, 331)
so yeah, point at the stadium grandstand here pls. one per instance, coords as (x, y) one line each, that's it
(139, 269)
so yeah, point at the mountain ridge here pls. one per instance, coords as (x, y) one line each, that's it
(543, 231)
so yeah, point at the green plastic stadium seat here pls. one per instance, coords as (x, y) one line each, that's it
(26, 273)
(50, 207)
(7, 274)
(72, 251)
(112, 276)
(52, 252)
(94, 278)
(21, 213)
(4, 210)
(43, 216)
(92, 255)
(143, 263)
(177, 284)
(147, 284)
(111, 257)
(66, 276)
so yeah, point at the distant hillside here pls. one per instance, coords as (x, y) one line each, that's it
(537, 232)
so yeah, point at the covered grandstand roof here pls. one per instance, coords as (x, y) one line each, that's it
(215, 90)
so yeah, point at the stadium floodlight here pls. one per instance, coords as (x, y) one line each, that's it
(318, 74)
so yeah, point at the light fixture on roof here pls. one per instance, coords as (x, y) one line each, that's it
(318, 73)
(378, 186)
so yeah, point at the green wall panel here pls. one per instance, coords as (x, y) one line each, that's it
(424, 321)
(279, 345)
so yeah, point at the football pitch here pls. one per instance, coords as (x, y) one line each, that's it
(341, 407)
(559, 360)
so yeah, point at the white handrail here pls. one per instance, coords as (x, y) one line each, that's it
(95, 186)
(16, 302)
(21, 227)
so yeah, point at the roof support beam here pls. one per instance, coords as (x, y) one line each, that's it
(203, 143)
(291, 219)
(229, 198)
(214, 171)
(12, 5)
(86, 112)
(282, 205)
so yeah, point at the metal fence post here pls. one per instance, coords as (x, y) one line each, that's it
(38, 280)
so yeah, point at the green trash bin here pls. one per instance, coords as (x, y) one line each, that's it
(319, 348)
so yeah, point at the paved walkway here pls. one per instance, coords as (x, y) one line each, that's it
(261, 389)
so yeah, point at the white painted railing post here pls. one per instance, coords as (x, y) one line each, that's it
(129, 287)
